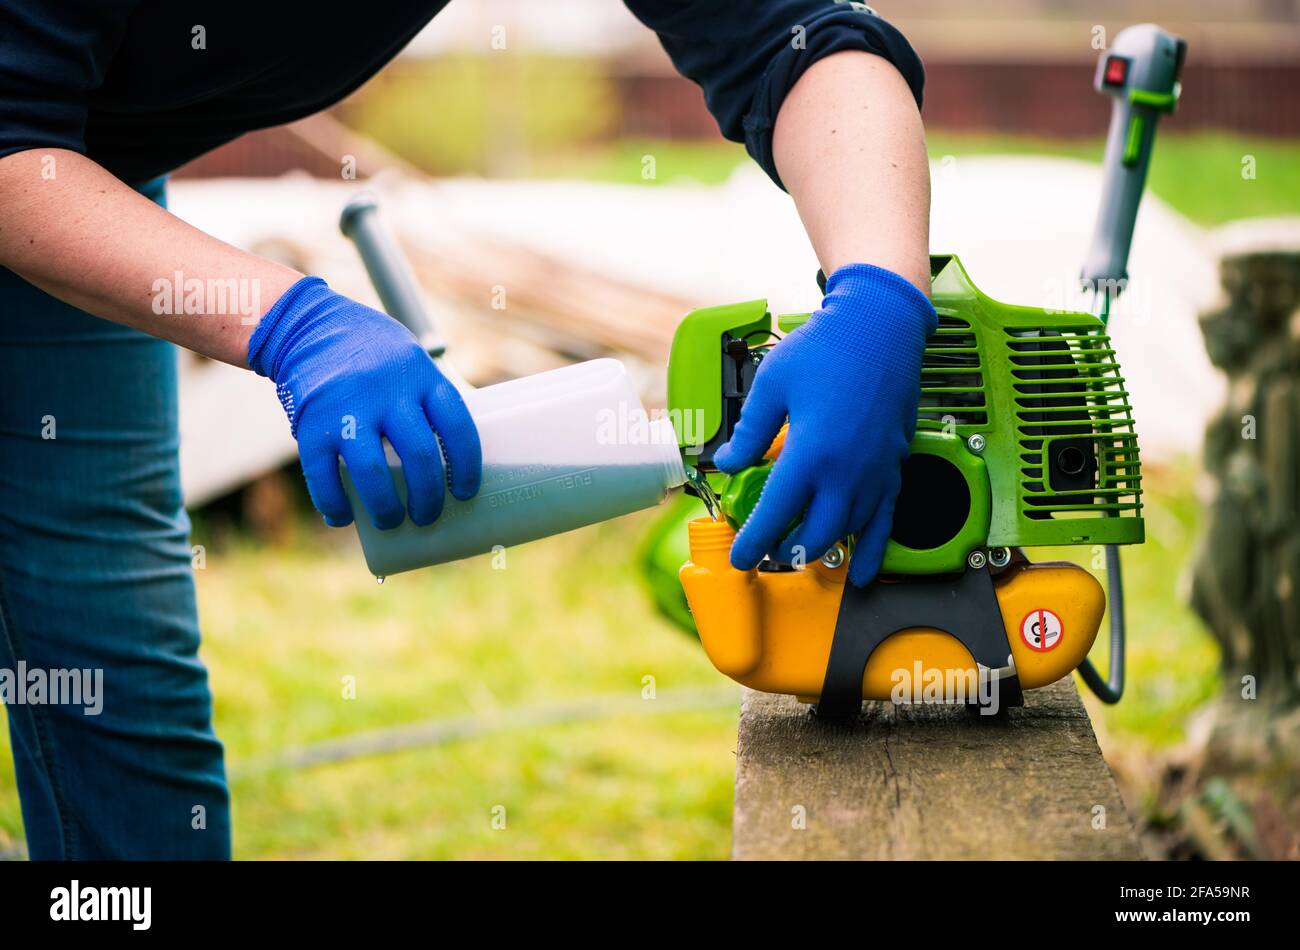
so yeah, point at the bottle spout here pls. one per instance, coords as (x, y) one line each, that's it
(663, 434)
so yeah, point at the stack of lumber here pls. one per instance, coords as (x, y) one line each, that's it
(506, 308)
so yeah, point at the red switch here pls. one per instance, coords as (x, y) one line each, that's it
(1116, 71)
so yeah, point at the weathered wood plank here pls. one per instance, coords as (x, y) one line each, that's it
(926, 782)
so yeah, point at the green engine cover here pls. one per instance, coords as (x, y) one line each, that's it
(1025, 435)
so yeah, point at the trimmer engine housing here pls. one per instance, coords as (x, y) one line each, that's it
(1024, 438)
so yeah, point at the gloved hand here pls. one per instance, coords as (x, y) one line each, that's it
(849, 381)
(347, 375)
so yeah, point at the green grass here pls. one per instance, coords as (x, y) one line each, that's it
(566, 619)
(1173, 664)
(468, 114)
(631, 162)
(549, 116)
(1198, 174)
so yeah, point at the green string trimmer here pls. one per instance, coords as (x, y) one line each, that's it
(1029, 397)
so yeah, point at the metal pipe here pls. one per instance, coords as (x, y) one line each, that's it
(1109, 690)
(389, 271)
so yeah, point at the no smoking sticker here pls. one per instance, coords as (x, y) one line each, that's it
(1041, 630)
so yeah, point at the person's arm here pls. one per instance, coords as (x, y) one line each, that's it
(83, 236)
(850, 148)
(347, 375)
(826, 98)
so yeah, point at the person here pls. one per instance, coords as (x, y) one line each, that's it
(99, 99)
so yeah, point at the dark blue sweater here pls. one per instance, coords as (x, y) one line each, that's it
(132, 85)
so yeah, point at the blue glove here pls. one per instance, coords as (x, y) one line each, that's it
(347, 375)
(849, 381)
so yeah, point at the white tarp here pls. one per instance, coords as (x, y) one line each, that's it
(1020, 226)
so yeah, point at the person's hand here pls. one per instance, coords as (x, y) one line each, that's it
(849, 380)
(348, 375)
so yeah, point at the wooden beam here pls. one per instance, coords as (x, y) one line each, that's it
(926, 782)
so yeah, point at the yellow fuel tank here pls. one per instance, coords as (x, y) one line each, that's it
(772, 631)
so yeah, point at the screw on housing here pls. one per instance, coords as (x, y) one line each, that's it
(834, 557)
(976, 559)
(976, 443)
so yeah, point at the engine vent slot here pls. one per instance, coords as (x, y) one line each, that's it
(952, 376)
(1074, 425)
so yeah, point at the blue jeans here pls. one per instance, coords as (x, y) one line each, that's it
(95, 574)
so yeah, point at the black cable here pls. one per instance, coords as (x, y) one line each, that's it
(1111, 689)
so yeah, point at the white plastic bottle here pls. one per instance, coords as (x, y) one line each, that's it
(561, 449)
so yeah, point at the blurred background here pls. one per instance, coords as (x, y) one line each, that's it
(563, 194)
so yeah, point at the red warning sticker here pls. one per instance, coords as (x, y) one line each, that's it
(1041, 630)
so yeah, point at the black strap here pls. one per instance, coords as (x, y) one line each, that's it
(964, 606)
